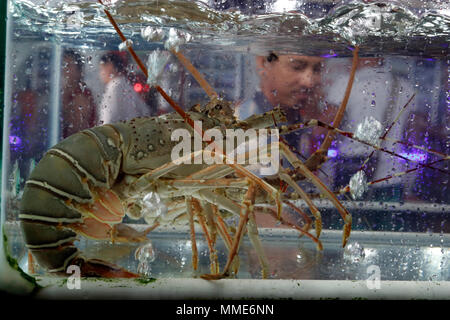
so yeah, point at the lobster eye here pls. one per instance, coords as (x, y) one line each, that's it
(218, 107)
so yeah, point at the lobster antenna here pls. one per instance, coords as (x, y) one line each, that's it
(182, 113)
(383, 137)
(141, 65)
(340, 114)
(195, 73)
(351, 135)
(184, 61)
(398, 174)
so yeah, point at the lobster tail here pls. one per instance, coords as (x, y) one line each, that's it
(42, 215)
(64, 181)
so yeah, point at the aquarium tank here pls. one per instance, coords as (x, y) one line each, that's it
(346, 102)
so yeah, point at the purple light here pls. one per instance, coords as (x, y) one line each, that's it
(332, 153)
(15, 140)
(329, 55)
(414, 156)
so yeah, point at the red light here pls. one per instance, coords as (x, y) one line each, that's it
(138, 87)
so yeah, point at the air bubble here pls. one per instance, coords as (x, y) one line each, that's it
(153, 207)
(358, 185)
(152, 34)
(156, 62)
(176, 38)
(145, 254)
(369, 130)
(125, 44)
(354, 252)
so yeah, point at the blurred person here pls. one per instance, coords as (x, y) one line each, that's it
(78, 106)
(27, 127)
(294, 83)
(25, 135)
(290, 81)
(120, 101)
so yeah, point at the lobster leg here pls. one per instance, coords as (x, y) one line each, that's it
(212, 172)
(202, 183)
(190, 211)
(308, 220)
(299, 166)
(223, 231)
(247, 208)
(142, 183)
(273, 213)
(229, 205)
(252, 231)
(210, 219)
(210, 241)
(147, 179)
(318, 157)
(316, 213)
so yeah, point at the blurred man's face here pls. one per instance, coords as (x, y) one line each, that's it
(291, 80)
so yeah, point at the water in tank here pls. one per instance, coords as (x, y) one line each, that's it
(357, 92)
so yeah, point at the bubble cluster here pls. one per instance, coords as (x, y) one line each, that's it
(152, 34)
(152, 207)
(353, 252)
(125, 44)
(176, 38)
(369, 130)
(358, 185)
(145, 254)
(156, 62)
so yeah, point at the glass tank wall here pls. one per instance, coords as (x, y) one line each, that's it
(388, 165)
